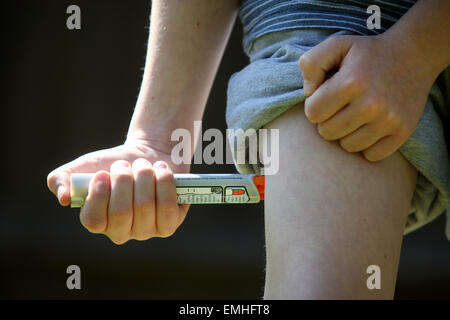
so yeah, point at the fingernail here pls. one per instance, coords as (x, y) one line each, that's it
(120, 164)
(60, 192)
(141, 162)
(306, 88)
(161, 165)
(101, 184)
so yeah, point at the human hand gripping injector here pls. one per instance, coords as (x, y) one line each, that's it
(192, 188)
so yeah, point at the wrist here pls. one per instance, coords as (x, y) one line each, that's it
(154, 130)
(413, 58)
(421, 35)
(154, 150)
(149, 141)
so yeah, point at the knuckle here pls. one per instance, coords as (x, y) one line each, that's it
(325, 132)
(140, 162)
(371, 109)
(144, 231)
(305, 62)
(101, 188)
(140, 236)
(166, 224)
(144, 205)
(334, 38)
(121, 213)
(120, 164)
(390, 118)
(121, 168)
(166, 208)
(330, 40)
(311, 112)
(370, 156)
(147, 172)
(122, 176)
(353, 85)
(166, 233)
(51, 179)
(119, 240)
(94, 225)
(347, 146)
(164, 175)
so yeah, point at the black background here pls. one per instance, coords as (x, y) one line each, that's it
(66, 93)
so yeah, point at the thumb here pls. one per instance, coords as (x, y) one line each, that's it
(315, 63)
(58, 181)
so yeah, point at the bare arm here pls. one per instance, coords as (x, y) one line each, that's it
(133, 194)
(423, 33)
(187, 41)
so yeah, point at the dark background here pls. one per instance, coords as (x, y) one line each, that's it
(66, 93)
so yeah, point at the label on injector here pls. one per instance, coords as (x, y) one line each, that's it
(193, 188)
(213, 194)
(200, 194)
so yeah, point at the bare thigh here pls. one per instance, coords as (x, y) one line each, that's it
(330, 214)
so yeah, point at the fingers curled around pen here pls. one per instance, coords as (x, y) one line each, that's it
(144, 219)
(93, 214)
(167, 209)
(120, 210)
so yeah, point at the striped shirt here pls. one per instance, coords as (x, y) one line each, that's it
(260, 17)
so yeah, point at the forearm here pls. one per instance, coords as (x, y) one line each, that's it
(186, 43)
(422, 33)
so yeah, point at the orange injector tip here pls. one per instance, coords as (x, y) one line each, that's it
(259, 182)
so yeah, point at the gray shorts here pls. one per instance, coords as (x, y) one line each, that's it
(272, 83)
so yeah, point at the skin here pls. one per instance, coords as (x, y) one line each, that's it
(133, 194)
(373, 103)
(343, 213)
(340, 214)
(350, 214)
